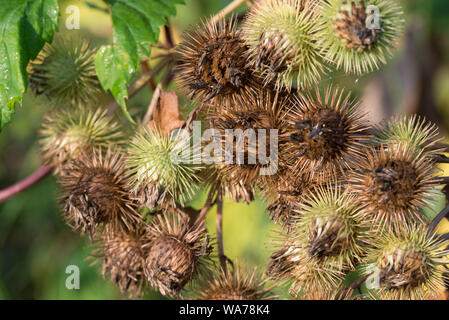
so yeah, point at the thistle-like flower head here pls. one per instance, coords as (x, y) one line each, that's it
(360, 35)
(65, 72)
(281, 35)
(213, 61)
(408, 264)
(331, 228)
(393, 182)
(248, 129)
(326, 243)
(308, 274)
(66, 133)
(175, 252)
(122, 257)
(96, 193)
(413, 131)
(327, 134)
(238, 283)
(284, 195)
(160, 170)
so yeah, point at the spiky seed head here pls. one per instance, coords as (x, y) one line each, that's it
(280, 263)
(122, 258)
(65, 134)
(411, 130)
(360, 35)
(331, 228)
(160, 170)
(241, 127)
(176, 252)
(96, 193)
(236, 283)
(284, 195)
(65, 72)
(291, 261)
(327, 134)
(307, 273)
(326, 242)
(281, 36)
(213, 61)
(392, 183)
(408, 263)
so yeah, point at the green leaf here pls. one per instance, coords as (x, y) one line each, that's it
(136, 28)
(25, 26)
(43, 16)
(114, 70)
(137, 22)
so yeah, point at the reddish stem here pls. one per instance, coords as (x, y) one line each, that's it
(26, 183)
(168, 36)
(219, 224)
(208, 205)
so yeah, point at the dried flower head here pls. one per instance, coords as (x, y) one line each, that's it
(331, 228)
(280, 263)
(284, 195)
(238, 283)
(293, 262)
(122, 258)
(160, 171)
(281, 36)
(360, 35)
(408, 264)
(96, 193)
(67, 133)
(65, 72)
(213, 61)
(176, 252)
(392, 183)
(411, 130)
(326, 243)
(248, 133)
(326, 134)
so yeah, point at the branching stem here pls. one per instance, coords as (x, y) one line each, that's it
(208, 205)
(219, 224)
(354, 286)
(227, 10)
(437, 220)
(26, 183)
(153, 104)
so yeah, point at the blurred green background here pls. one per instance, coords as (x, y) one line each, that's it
(35, 244)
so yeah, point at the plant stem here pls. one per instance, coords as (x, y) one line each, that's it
(168, 36)
(146, 69)
(227, 10)
(26, 183)
(219, 224)
(153, 104)
(437, 220)
(354, 286)
(208, 205)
